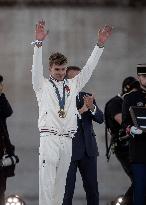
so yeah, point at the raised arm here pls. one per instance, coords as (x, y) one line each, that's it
(37, 67)
(83, 77)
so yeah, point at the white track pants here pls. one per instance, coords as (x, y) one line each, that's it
(54, 160)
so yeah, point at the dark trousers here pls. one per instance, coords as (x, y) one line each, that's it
(139, 183)
(88, 170)
(123, 158)
(2, 188)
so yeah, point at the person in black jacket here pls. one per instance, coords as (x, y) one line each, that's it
(113, 121)
(137, 146)
(84, 147)
(6, 148)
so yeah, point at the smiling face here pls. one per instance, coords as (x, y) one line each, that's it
(58, 71)
(57, 66)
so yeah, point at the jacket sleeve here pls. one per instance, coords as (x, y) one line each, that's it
(5, 107)
(83, 77)
(98, 116)
(37, 69)
(126, 118)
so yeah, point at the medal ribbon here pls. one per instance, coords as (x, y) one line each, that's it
(60, 100)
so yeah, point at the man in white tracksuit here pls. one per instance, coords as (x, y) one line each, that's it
(57, 122)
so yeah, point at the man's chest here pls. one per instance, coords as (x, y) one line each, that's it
(140, 100)
(49, 97)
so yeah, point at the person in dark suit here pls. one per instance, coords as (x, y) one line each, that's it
(84, 147)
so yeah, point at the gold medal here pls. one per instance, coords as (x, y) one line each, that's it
(62, 113)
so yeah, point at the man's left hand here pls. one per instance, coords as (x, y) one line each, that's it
(103, 34)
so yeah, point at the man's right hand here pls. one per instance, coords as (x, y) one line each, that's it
(135, 131)
(40, 31)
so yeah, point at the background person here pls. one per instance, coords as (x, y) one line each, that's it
(84, 147)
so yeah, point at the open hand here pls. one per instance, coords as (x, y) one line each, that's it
(103, 34)
(88, 101)
(40, 31)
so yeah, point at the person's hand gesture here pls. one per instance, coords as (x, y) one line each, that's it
(88, 104)
(88, 100)
(40, 31)
(103, 34)
(83, 109)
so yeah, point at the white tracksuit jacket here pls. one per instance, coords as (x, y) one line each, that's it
(47, 99)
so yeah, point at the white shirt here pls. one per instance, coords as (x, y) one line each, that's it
(47, 99)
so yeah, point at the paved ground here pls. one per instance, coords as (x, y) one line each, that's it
(73, 31)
